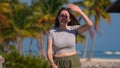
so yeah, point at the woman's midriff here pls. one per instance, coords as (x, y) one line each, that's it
(64, 54)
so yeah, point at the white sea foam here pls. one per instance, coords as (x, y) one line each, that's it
(111, 53)
(108, 52)
(117, 53)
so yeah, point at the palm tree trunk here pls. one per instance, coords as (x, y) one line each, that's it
(19, 45)
(38, 45)
(40, 42)
(22, 47)
(5, 46)
(92, 49)
(30, 47)
(85, 45)
(42, 50)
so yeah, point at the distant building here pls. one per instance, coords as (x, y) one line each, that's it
(114, 7)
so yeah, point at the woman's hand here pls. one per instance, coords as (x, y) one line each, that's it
(74, 8)
(54, 66)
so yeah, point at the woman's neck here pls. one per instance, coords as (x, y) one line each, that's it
(63, 27)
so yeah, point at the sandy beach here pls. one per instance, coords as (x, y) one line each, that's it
(100, 63)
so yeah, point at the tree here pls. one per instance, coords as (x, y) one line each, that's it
(45, 12)
(18, 23)
(4, 8)
(95, 9)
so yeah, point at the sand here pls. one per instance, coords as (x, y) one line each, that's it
(100, 63)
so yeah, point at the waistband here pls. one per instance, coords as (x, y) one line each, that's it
(66, 57)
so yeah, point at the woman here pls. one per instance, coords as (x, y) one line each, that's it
(62, 39)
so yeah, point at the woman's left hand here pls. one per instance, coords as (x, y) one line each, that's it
(74, 8)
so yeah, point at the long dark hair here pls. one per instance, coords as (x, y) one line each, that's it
(73, 21)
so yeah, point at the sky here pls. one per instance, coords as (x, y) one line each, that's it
(109, 40)
(110, 34)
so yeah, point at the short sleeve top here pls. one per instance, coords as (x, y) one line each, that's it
(63, 40)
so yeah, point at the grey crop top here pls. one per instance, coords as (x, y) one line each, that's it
(63, 40)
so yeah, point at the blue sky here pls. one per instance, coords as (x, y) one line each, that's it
(110, 34)
(109, 40)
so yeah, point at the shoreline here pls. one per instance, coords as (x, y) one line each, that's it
(100, 60)
(100, 63)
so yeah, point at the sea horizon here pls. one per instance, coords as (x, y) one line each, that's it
(97, 54)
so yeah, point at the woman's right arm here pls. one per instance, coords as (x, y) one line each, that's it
(49, 54)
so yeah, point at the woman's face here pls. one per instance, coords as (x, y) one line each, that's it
(64, 17)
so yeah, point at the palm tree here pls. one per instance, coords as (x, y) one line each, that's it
(4, 8)
(100, 12)
(45, 11)
(19, 22)
(95, 9)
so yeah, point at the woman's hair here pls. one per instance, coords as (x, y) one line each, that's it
(73, 21)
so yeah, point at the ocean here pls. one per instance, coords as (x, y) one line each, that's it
(108, 54)
(96, 54)
(103, 54)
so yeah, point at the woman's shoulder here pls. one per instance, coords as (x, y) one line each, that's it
(53, 30)
(74, 27)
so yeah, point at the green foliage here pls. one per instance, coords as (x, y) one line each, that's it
(14, 60)
(80, 38)
(1, 49)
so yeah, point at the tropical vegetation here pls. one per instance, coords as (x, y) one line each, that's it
(15, 60)
(19, 20)
(95, 9)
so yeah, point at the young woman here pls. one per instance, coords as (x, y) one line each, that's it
(61, 51)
